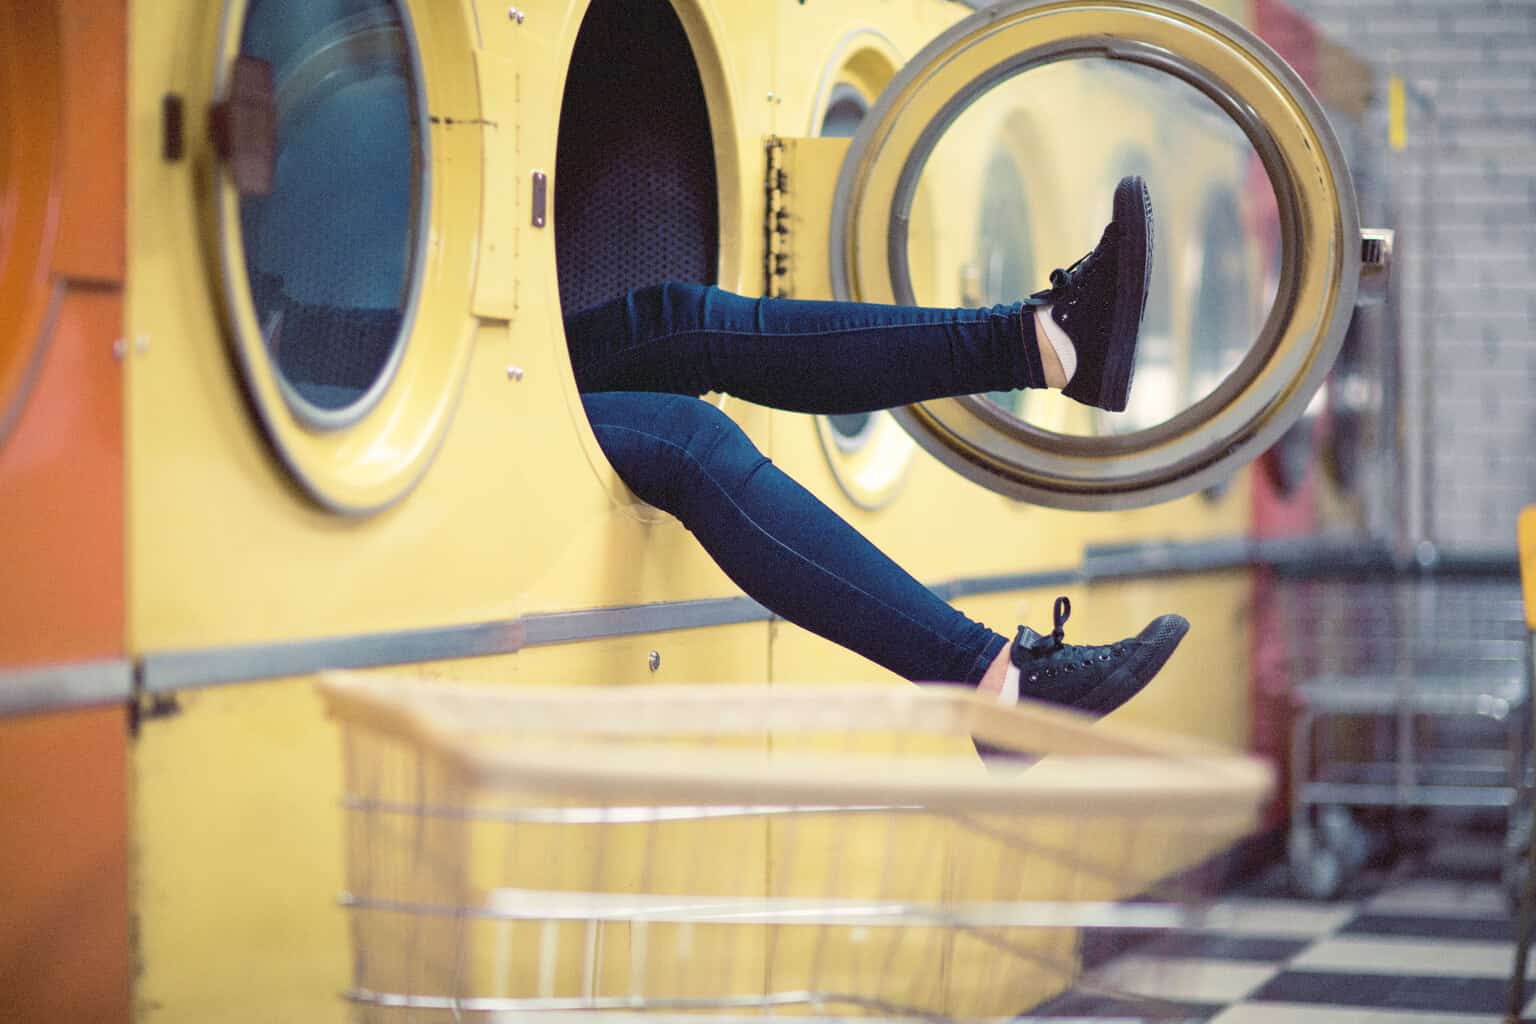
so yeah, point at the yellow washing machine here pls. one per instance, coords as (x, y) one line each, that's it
(353, 434)
(1018, 199)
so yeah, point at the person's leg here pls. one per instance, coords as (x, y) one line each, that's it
(779, 543)
(802, 561)
(842, 357)
(821, 357)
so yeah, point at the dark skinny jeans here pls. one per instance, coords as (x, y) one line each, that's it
(642, 360)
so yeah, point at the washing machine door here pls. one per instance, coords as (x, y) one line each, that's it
(1209, 97)
(30, 136)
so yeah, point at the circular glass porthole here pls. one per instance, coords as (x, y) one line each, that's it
(1225, 313)
(846, 109)
(333, 250)
(1227, 299)
(328, 237)
(1100, 76)
(1004, 266)
(868, 452)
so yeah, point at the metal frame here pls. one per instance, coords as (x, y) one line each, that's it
(436, 775)
(1414, 772)
(1098, 473)
(1525, 887)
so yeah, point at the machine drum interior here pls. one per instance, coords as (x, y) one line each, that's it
(635, 187)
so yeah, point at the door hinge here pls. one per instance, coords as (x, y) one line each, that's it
(776, 280)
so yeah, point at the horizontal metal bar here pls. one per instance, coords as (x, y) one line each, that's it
(645, 1011)
(179, 670)
(545, 628)
(1006, 584)
(1457, 767)
(67, 685)
(1419, 695)
(637, 815)
(595, 1009)
(1362, 795)
(535, 905)
(1166, 558)
(1326, 557)
(163, 671)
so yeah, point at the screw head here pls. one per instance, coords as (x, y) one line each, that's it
(654, 660)
(515, 15)
(514, 373)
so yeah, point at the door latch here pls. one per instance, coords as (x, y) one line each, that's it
(244, 127)
(1375, 265)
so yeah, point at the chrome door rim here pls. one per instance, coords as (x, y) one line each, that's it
(369, 456)
(1270, 388)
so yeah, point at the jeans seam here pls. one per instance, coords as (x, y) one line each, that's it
(804, 558)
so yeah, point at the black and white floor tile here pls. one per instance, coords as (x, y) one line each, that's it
(1428, 939)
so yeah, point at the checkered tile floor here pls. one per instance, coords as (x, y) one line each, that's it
(1429, 939)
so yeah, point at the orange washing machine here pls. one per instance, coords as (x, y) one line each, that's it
(63, 843)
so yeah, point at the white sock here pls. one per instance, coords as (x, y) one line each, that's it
(1009, 694)
(1066, 352)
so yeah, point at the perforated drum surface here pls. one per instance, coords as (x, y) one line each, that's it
(636, 201)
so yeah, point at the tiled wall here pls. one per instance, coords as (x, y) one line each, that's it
(1466, 189)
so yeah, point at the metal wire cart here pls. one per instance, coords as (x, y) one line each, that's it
(744, 851)
(1413, 696)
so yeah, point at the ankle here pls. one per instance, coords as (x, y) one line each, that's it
(1057, 353)
(1055, 375)
(997, 673)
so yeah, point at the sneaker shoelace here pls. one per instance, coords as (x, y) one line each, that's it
(1045, 646)
(1052, 643)
(1065, 280)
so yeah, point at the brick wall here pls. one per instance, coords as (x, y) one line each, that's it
(1465, 197)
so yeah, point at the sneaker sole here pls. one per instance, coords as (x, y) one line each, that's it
(1133, 213)
(1130, 679)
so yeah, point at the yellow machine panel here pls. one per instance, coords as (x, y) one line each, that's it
(353, 437)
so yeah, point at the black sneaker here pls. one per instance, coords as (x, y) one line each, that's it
(1093, 679)
(1099, 301)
